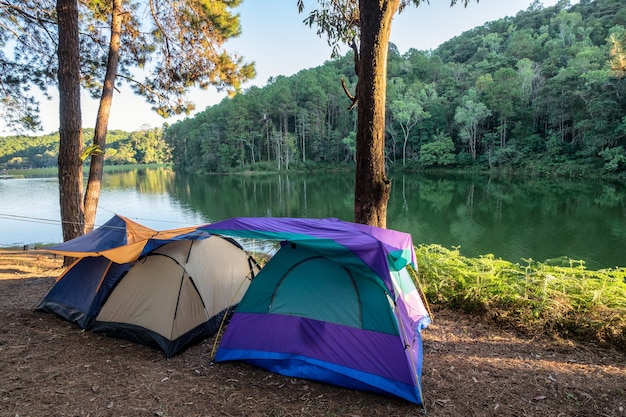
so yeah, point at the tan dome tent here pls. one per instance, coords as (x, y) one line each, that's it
(162, 288)
(177, 293)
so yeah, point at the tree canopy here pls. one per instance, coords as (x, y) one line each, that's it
(173, 45)
(555, 109)
(546, 86)
(166, 48)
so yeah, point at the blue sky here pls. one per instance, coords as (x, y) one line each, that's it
(274, 37)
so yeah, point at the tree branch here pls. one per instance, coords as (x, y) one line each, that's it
(157, 22)
(355, 49)
(26, 14)
(352, 98)
(143, 86)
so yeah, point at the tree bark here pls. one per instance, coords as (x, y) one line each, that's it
(372, 187)
(70, 123)
(92, 194)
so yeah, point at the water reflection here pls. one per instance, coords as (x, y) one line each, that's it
(284, 195)
(512, 219)
(151, 181)
(536, 219)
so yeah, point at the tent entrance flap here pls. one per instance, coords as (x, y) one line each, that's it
(300, 282)
(319, 289)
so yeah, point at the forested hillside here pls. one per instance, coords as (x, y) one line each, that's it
(141, 147)
(543, 92)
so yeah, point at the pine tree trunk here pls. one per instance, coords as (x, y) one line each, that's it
(372, 188)
(92, 194)
(70, 122)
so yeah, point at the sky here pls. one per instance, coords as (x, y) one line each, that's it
(275, 38)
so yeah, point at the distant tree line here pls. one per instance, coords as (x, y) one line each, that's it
(543, 91)
(145, 146)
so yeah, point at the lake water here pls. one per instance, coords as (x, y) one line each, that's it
(512, 219)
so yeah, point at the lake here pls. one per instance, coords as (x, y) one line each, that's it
(512, 219)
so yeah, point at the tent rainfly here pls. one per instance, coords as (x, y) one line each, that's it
(335, 304)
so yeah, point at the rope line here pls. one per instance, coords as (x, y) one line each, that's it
(29, 219)
(57, 222)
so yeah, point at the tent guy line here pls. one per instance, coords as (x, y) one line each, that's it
(29, 219)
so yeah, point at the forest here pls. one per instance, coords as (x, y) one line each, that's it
(543, 92)
(145, 146)
(540, 93)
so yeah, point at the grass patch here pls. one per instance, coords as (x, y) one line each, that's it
(558, 296)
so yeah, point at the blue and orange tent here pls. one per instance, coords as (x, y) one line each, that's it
(166, 289)
(121, 240)
(335, 304)
(103, 257)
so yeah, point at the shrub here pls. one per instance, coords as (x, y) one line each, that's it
(556, 296)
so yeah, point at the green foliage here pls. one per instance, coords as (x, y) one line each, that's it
(142, 147)
(534, 93)
(469, 116)
(555, 296)
(440, 152)
(89, 151)
(350, 142)
(29, 152)
(184, 42)
(531, 94)
(408, 108)
(28, 27)
(290, 122)
(615, 158)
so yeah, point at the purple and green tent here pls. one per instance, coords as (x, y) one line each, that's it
(335, 304)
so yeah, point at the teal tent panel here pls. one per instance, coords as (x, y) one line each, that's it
(266, 281)
(301, 282)
(318, 289)
(378, 314)
(400, 258)
(328, 247)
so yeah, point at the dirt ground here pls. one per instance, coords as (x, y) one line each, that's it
(49, 367)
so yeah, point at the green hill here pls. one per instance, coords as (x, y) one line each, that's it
(142, 147)
(542, 92)
(534, 93)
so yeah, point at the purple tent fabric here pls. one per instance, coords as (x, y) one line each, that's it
(370, 244)
(282, 325)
